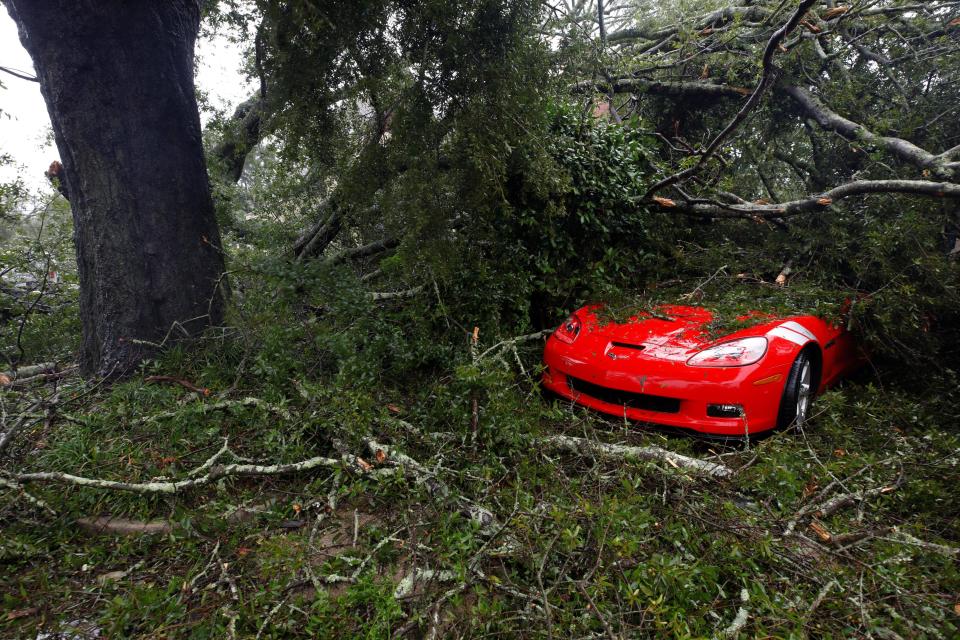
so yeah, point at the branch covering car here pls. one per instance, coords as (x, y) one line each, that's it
(665, 367)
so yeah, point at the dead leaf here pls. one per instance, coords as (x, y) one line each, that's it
(243, 551)
(784, 49)
(954, 23)
(781, 280)
(381, 456)
(956, 607)
(4, 380)
(29, 611)
(888, 489)
(835, 12)
(742, 90)
(810, 488)
(706, 32)
(839, 453)
(664, 202)
(392, 408)
(111, 576)
(824, 202)
(821, 531)
(812, 27)
(297, 508)
(366, 466)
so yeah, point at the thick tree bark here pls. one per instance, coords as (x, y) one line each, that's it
(117, 77)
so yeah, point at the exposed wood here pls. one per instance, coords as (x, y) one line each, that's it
(582, 446)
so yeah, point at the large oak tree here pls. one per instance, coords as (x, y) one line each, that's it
(117, 78)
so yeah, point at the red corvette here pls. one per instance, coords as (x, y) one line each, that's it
(666, 368)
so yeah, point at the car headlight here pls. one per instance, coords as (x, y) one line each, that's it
(570, 329)
(736, 353)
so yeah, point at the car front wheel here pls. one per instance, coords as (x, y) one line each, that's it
(798, 393)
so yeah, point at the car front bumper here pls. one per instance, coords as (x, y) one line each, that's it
(668, 393)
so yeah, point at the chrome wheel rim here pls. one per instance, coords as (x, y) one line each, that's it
(803, 393)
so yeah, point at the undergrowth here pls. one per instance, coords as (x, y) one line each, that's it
(581, 547)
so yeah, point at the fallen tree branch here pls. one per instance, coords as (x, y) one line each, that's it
(41, 378)
(765, 80)
(660, 87)
(219, 406)
(123, 526)
(812, 203)
(902, 149)
(7, 377)
(381, 296)
(7, 437)
(740, 620)
(827, 508)
(243, 132)
(35, 501)
(174, 487)
(582, 446)
(323, 232)
(365, 251)
(513, 341)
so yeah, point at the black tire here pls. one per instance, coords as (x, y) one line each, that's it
(798, 392)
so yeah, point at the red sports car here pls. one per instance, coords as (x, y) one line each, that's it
(664, 367)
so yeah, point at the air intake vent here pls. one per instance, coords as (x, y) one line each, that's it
(627, 345)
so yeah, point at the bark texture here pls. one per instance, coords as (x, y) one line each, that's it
(117, 78)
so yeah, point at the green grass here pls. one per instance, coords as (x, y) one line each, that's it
(585, 545)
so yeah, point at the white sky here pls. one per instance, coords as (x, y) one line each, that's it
(25, 126)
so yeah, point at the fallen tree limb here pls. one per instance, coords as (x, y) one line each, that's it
(122, 526)
(41, 378)
(35, 501)
(766, 78)
(740, 620)
(583, 446)
(820, 202)
(827, 508)
(24, 420)
(24, 372)
(219, 406)
(513, 341)
(674, 88)
(855, 132)
(365, 251)
(179, 486)
(381, 296)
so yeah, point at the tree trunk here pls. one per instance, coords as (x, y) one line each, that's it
(117, 77)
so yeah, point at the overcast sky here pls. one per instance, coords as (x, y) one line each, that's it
(25, 125)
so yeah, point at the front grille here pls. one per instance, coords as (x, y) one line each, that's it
(627, 399)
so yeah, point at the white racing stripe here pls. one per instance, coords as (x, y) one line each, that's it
(799, 328)
(787, 334)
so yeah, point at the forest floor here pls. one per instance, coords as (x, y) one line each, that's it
(452, 510)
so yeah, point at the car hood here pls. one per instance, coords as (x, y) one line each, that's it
(668, 332)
